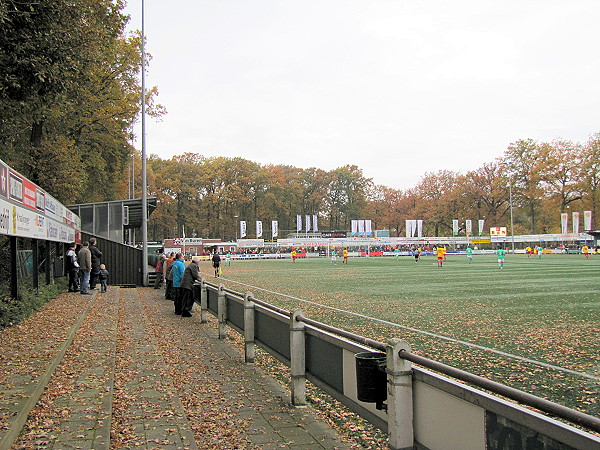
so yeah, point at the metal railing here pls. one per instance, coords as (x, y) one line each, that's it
(262, 323)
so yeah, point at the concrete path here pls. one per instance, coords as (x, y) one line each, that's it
(121, 370)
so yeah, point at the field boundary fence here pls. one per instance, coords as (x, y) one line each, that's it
(420, 403)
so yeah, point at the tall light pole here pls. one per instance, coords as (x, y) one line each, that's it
(512, 224)
(144, 188)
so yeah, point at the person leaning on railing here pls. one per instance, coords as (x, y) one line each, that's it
(191, 274)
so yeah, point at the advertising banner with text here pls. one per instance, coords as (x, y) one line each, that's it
(26, 210)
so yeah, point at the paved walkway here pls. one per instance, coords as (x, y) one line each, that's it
(120, 370)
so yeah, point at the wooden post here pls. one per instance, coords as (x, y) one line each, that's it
(297, 359)
(400, 399)
(249, 352)
(222, 312)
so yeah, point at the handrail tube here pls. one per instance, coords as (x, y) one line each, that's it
(232, 292)
(266, 305)
(258, 302)
(354, 337)
(525, 398)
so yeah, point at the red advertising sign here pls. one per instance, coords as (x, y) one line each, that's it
(29, 194)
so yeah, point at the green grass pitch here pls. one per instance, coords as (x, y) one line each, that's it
(544, 309)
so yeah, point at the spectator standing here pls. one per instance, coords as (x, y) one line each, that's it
(190, 275)
(84, 259)
(159, 272)
(72, 267)
(169, 293)
(96, 256)
(103, 275)
(177, 270)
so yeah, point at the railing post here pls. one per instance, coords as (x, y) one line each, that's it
(222, 312)
(400, 399)
(249, 328)
(203, 302)
(297, 359)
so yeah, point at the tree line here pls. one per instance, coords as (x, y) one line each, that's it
(70, 94)
(208, 197)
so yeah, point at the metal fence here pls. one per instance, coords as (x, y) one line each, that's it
(418, 405)
(123, 262)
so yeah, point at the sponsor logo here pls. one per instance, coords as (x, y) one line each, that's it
(5, 219)
(16, 188)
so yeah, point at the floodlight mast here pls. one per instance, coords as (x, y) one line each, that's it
(144, 187)
(512, 224)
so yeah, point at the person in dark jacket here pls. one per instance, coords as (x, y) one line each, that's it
(84, 259)
(216, 262)
(96, 256)
(103, 277)
(169, 291)
(190, 275)
(72, 267)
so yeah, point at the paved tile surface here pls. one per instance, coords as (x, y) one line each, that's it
(138, 376)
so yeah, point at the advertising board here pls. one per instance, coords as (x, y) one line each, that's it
(26, 210)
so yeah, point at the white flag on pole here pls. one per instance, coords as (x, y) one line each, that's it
(455, 227)
(481, 225)
(354, 227)
(419, 228)
(575, 223)
(587, 220)
(361, 227)
(315, 223)
(258, 229)
(564, 223)
(275, 228)
(307, 223)
(469, 227)
(242, 228)
(298, 223)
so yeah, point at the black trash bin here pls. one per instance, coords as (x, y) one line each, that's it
(371, 378)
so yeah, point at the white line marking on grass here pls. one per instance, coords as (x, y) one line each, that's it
(427, 333)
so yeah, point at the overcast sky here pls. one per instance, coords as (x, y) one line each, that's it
(396, 87)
